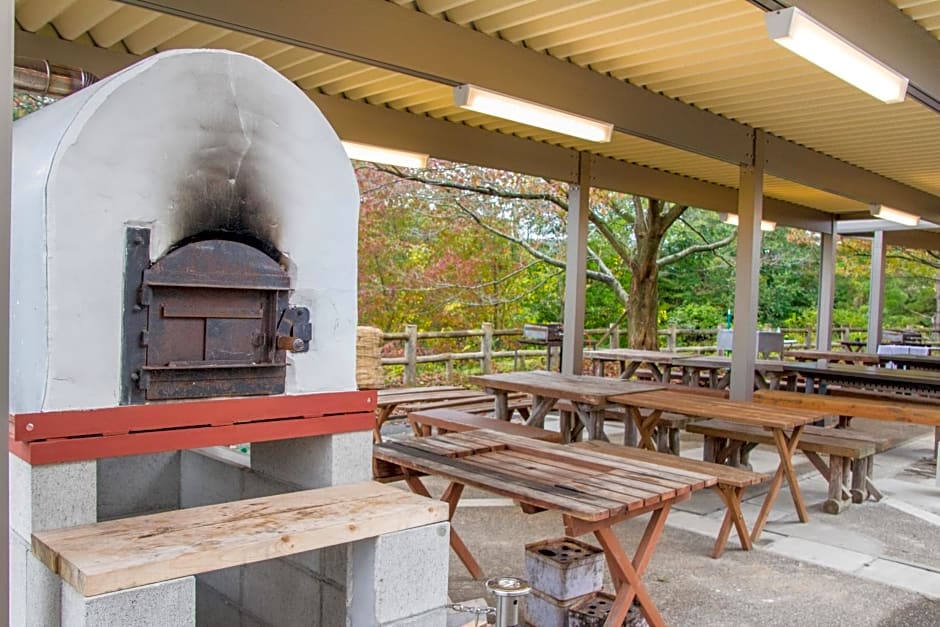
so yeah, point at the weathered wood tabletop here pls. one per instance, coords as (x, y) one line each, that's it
(591, 490)
(388, 400)
(784, 423)
(587, 393)
(629, 361)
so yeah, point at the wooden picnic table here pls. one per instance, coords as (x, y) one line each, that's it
(847, 357)
(768, 373)
(854, 345)
(785, 425)
(592, 492)
(388, 400)
(629, 360)
(911, 362)
(820, 376)
(587, 394)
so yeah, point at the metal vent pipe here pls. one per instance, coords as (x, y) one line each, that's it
(38, 76)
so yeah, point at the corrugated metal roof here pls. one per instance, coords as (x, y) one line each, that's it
(713, 54)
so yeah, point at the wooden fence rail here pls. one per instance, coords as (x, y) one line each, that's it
(504, 344)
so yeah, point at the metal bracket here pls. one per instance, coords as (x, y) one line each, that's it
(294, 330)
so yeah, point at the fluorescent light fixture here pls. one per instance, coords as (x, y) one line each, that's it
(797, 31)
(732, 219)
(895, 215)
(525, 112)
(390, 156)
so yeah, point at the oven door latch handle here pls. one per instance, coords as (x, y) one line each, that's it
(294, 330)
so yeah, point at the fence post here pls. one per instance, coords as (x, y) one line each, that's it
(614, 336)
(486, 347)
(411, 355)
(671, 339)
(808, 341)
(450, 367)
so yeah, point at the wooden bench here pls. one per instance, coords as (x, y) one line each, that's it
(484, 404)
(730, 486)
(447, 420)
(850, 455)
(667, 430)
(130, 552)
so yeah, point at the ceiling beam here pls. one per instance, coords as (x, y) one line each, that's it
(357, 121)
(385, 35)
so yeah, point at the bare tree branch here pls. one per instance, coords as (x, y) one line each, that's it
(662, 261)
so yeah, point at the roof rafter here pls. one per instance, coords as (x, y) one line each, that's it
(406, 41)
(358, 121)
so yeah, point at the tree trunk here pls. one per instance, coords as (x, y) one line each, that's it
(643, 316)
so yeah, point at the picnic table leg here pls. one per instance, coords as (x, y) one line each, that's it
(785, 449)
(502, 405)
(733, 515)
(629, 573)
(451, 496)
(381, 416)
(541, 405)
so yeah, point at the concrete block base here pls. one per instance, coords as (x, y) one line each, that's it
(165, 604)
(316, 462)
(35, 591)
(382, 589)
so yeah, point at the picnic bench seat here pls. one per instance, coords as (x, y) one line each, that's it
(447, 420)
(731, 484)
(850, 455)
(126, 553)
(483, 404)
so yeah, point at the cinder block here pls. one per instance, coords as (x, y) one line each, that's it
(564, 568)
(333, 605)
(316, 462)
(434, 618)
(214, 609)
(279, 593)
(138, 484)
(206, 480)
(51, 496)
(592, 611)
(165, 604)
(541, 610)
(225, 581)
(382, 585)
(34, 589)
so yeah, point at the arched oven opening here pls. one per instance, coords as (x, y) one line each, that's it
(209, 318)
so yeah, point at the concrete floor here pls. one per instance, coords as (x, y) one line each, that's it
(874, 564)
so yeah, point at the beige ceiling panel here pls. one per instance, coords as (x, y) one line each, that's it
(155, 33)
(477, 12)
(197, 36)
(265, 48)
(800, 194)
(517, 13)
(80, 17)
(389, 82)
(664, 65)
(924, 12)
(354, 80)
(316, 63)
(120, 24)
(573, 28)
(415, 91)
(234, 41)
(685, 31)
(332, 73)
(434, 98)
(436, 7)
(290, 57)
(35, 14)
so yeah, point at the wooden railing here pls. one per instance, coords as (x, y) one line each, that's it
(413, 348)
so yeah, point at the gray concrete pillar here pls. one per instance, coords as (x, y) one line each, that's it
(576, 268)
(827, 289)
(876, 291)
(747, 273)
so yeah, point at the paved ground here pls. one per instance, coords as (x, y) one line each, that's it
(874, 564)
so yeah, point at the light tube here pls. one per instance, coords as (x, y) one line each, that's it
(380, 154)
(797, 31)
(732, 218)
(525, 112)
(895, 215)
